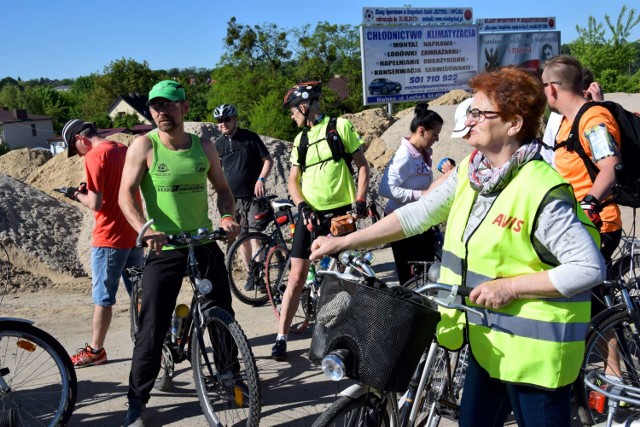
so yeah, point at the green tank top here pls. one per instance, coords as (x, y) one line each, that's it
(175, 187)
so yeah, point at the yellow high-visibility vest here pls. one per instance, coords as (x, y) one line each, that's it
(530, 341)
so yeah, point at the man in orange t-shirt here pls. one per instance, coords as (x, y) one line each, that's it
(599, 137)
(113, 246)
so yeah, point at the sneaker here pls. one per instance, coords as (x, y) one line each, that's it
(279, 350)
(135, 414)
(86, 357)
(249, 286)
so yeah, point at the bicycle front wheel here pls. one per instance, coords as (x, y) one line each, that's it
(245, 264)
(38, 384)
(365, 410)
(612, 347)
(225, 372)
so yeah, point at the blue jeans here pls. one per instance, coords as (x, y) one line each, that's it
(107, 267)
(487, 402)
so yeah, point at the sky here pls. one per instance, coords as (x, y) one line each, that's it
(73, 38)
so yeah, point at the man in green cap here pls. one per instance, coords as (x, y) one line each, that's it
(171, 168)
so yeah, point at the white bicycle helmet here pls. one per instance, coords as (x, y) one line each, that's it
(225, 110)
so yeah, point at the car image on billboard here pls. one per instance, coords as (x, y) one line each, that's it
(384, 86)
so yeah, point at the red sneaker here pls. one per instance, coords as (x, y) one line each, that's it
(86, 357)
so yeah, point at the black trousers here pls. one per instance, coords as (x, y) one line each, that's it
(415, 248)
(161, 282)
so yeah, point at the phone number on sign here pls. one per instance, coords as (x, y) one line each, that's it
(429, 79)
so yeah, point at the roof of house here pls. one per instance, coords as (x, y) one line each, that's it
(339, 85)
(9, 116)
(136, 101)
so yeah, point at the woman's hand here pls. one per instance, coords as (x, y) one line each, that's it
(494, 294)
(326, 246)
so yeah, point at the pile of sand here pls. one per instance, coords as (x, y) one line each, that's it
(21, 162)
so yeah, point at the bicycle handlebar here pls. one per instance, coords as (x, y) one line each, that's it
(184, 237)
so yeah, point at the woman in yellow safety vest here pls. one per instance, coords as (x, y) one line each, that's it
(515, 234)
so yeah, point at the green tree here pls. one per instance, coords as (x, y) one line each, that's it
(127, 76)
(128, 120)
(612, 60)
(12, 96)
(265, 44)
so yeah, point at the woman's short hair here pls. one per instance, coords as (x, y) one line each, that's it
(424, 117)
(515, 92)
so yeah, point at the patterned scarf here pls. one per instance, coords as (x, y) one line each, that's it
(486, 179)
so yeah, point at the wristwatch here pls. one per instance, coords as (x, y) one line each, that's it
(262, 179)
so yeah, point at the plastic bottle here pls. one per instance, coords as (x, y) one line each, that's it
(177, 321)
(325, 262)
(311, 275)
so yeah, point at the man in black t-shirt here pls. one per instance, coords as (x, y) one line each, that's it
(246, 163)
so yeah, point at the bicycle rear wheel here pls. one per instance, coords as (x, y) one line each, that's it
(38, 384)
(245, 264)
(276, 292)
(613, 347)
(365, 410)
(225, 372)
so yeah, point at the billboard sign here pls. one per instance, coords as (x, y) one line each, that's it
(416, 62)
(417, 15)
(516, 24)
(528, 49)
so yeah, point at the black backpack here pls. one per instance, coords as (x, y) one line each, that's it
(338, 151)
(628, 172)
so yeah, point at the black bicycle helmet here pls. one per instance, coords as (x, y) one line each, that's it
(302, 92)
(225, 110)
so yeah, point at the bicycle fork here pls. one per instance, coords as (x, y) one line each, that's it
(408, 418)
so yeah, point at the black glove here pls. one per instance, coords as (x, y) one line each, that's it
(305, 210)
(360, 208)
(592, 208)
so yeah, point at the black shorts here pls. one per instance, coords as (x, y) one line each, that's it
(249, 209)
(301, 247)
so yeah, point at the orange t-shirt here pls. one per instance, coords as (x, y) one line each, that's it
(572, 168)
(103, 167)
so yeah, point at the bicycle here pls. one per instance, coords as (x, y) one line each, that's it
(442, 391)
(224, 368)
(247, 271)
(278, 265)
(403, 364)
(38, 384)
(607, 380)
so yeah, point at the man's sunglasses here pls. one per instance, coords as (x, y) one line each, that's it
(224, 119)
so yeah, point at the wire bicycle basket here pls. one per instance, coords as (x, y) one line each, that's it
(386, 330)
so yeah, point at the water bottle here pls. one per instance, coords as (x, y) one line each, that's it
(178, 320)
(325, 262)
(311, 275)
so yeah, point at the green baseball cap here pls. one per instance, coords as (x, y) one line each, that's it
(169, 89)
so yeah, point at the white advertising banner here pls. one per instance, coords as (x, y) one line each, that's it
(417, 15)
(416, 62)
(516, 24)
(528, 49)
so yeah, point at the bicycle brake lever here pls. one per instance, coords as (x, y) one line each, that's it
(444, 302)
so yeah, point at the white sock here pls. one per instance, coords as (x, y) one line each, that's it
(282, 337)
